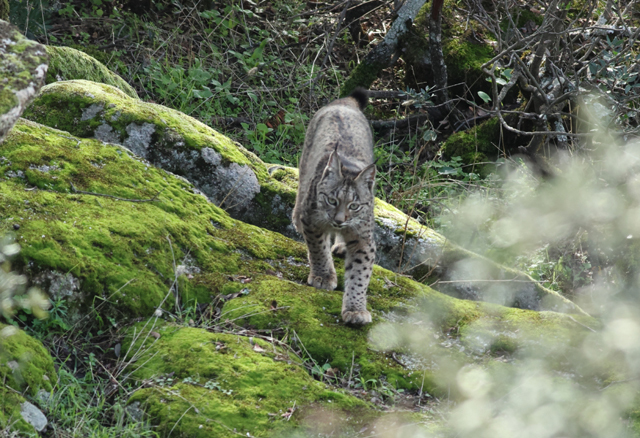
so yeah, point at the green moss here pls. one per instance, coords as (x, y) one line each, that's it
(464, 56)
(394, 219)
(314, 316)
(232, 383)
(4, 10)
(66, 63)
(362, 76)
(286, 175)
(10, 417)
(24, 363)
(8, 100)
(122, 252)
(476, 145)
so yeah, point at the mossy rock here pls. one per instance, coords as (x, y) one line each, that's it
(314, 318)
(224, 171)
(66, 63)
(24, 363)
(223, 383)
(476, 145)
(100, 251)
(25, 368)
(23, 66)
(206, 384)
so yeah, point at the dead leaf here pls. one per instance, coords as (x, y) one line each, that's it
(273, 273)
(258, 349)
(289, 413)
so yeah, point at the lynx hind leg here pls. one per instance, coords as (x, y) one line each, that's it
(322, 273)
(357, 274)
(339, 248)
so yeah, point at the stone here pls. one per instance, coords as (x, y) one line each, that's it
(33, 416)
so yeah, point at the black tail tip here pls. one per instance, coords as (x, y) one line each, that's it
(361, 95)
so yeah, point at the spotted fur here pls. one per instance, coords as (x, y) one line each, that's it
(335, 201)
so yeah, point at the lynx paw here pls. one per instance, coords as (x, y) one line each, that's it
(329, 283)
(360, 317)
(339, 249)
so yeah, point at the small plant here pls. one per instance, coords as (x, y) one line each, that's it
(320, 371)
(212, 384)
(13, 293)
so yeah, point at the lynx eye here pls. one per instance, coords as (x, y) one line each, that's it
(353, 206)
(331, 201)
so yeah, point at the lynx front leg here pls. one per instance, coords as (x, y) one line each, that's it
(323, 274)
(361, 253)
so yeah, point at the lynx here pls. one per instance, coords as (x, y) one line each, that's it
(335, 201)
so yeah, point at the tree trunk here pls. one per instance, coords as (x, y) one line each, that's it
(381, 56)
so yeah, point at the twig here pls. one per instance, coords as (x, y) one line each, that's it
(393, 356)
(339, 29)
(580, 324)
(155, 198)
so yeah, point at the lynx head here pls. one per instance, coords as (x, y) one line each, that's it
(345, 195)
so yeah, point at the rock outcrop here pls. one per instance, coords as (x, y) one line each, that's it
(23, 66)
(263, 195)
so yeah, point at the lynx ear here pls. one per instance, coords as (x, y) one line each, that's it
(333, 165)
(368, 175)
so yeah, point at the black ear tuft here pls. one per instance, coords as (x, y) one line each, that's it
(361, 95)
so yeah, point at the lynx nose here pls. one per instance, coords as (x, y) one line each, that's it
(339, 218)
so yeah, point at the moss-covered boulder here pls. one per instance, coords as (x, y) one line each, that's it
(243, 185)
(479, 144)
(23, 66)
(100, 226)
(224, 171)
(199, 383)
(66, 63)
(203, 384)
(25, 369)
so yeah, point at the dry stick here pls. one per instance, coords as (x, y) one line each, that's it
(581, 324)
(155, 198)
(486, 281)
(335, 36)
(233, 188)
(175, 275)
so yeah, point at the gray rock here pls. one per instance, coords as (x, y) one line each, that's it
(33, 416)
(105, 133)
(92, 111)
(134, 410)
(139, 138)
